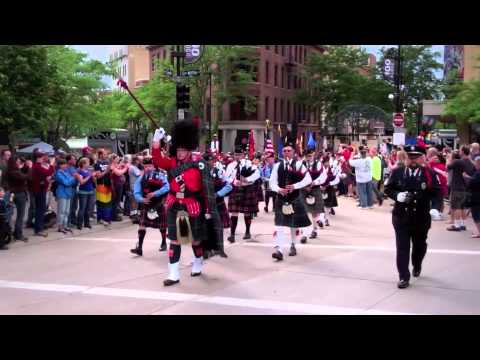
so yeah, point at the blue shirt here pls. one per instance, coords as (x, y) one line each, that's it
(88, 186)
(137, 189)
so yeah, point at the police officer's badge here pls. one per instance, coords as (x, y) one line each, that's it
(424, 186)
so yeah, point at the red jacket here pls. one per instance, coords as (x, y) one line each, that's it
(39, 177)
(192, 178)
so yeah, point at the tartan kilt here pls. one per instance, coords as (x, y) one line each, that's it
(331, 200)
(260, 196)
(298, 220)
(223, 212)
(158, 223)
(318, 207)
(198, 224)
(243, 200)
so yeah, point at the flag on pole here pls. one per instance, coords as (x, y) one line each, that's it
(269, 147)
(251, 146)
(311, 144)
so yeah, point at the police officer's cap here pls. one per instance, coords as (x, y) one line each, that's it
(415, 150)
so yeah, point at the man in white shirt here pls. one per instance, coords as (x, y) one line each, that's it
(242, 174)
(287, 179)
(363, 175)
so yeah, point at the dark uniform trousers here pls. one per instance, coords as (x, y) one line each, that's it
(404, 234)
(411, 221)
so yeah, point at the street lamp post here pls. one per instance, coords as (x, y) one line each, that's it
(398, 80)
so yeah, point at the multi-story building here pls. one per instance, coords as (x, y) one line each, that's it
(278, 78)
(133, 64)
(156, 53)
(466, 60)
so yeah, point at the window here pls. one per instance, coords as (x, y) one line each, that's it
(283, 50)
(295, 56)
(164, 54)
(295, 81)
(288, 111)
(283, 77)
(275, 103)
(267, 47)
(289, 78)
(300, 53)
(276, 49)
(305, 55)
(275, 75)
(267, 72)
(295, 111)
(267, 105)
(282, 109)
(153, 64)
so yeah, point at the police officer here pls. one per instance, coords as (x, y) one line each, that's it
(412, 187)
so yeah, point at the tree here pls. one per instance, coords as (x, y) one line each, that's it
(75, 88)
(24, 88)
(335, 82)
(465, 105)
(418, 77)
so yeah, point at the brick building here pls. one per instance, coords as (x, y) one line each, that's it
(278, 79)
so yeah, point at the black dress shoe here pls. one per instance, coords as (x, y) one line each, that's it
(247, 236)
(332, 211)
(313, 235)
(137, 251)
(417, 271)
(293, 251)
(403, 284)
(327, 223)
(303, 240)
(265, 209)
(79, 227)
(163, 247)
(88, 227)
(22, 238)
(320, 224)
(196, 274)
(277, 255)
(222, 254)
(169, 282)
(231, 239)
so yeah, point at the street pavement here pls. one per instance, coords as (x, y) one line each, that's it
(348, 269)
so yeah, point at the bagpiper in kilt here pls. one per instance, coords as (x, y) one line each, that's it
(287, 179)
(333, 180)
(244, 197)
(313, 196)
(192, 215)
(222, 189)
(149, 191)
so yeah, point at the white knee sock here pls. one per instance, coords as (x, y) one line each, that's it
(278, 238)
(293, 235)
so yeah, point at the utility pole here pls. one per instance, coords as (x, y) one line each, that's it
(183, 92)
(398, 81)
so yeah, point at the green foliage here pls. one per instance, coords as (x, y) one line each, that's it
(465, 105)
(420, 63)
(335, 82)
(74, 92)
(24, 86)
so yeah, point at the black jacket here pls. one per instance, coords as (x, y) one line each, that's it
(423, 185)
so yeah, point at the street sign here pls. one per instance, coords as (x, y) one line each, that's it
(181, 114)
(398, 119)
(193, 53)
(389, 68)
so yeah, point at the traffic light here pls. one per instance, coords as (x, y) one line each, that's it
(183, 97)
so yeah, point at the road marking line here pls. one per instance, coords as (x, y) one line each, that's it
(318, 246)
(216, 300)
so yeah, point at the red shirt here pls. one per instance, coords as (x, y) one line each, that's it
(443, 179)
(39, 177)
